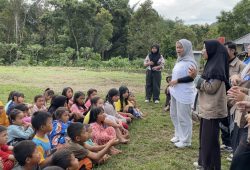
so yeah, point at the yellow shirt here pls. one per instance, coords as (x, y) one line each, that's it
(4, 121)
(86, 118)
(118, 106)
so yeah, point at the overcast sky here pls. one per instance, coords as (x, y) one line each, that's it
(192, 11)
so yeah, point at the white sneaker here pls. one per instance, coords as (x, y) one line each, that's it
(196, 165)
(174, 140)
(146, 101)
(157, 101)
(181, 145)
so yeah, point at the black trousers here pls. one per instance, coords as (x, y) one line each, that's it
(209, 151)
(236, 135)
(225, 130)
(153, 84)
(242, 154)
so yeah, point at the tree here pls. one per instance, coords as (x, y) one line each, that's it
(235, 23)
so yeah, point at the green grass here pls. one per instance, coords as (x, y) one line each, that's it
(149, 149)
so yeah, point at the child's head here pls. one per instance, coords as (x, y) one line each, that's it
(22, 107)
(18, 97)
(42, 121)
(1, 107)
(26, 153)
(89, 130)
(113, 95)
(131, 96)
(59, 101)
(91, 93)
(68, 92)
(62, 114)
(39, 101)
(79, 98)
(48, 94)
(77, 132)
(3, 135)
(123, 90)
(97, 102)
(16, 117)
(11, 95)
(97, 115)
(168, 79)
(65, 159)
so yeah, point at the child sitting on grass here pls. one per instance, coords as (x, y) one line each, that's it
(65, 159)
(168, 96)
(39, 104)
(48, 95)
(17, 98)
(26, 155)
(131, 106)
(18, 130)
(24, 108)
(4, 121)
(68, 92)
(58, 135)
(5, 150)
(79, 135)
(42, 123)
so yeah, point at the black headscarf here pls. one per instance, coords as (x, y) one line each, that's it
(155, 56)
(217, 66)
(56, 102)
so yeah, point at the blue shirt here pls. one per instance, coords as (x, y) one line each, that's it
(247, 60)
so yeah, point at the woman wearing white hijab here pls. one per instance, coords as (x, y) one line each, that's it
(182, 94)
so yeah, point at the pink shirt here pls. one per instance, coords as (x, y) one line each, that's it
(77, 110)
(88, 104)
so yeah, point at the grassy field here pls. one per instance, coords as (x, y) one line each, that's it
(149, 149)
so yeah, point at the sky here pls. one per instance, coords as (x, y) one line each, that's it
(191, 11)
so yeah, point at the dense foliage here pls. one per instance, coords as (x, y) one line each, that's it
(90, 32)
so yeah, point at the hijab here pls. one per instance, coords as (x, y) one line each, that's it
(57, 101)
(217, 66)
(188, 52)
(154, 57)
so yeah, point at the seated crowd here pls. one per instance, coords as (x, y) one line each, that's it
(69, 131)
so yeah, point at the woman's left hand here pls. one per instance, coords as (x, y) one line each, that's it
(156, 68)
(173, 83)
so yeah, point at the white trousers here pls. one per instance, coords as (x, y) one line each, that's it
(182, 119)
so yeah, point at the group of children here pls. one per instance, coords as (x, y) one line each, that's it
(65, 131)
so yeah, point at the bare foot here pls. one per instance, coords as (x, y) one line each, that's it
(124, 141)
(114, 151)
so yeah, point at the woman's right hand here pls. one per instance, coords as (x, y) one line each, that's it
(150, 63)
(192, 72)
(243, 106)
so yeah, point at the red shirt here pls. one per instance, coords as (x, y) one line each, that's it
(5, 152)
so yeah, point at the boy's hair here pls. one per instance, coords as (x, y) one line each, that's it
(2, 129)
(22, 107)
(37, 97)
(11, 95)
(53, 168)
(62, 158)
(23, 150)
(59, 112)
(74, 130)
(13, 115)
(49, 92)
(94, 112)
(17, 94)
(39, 119)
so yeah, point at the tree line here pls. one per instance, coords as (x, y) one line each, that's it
(72, 32)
